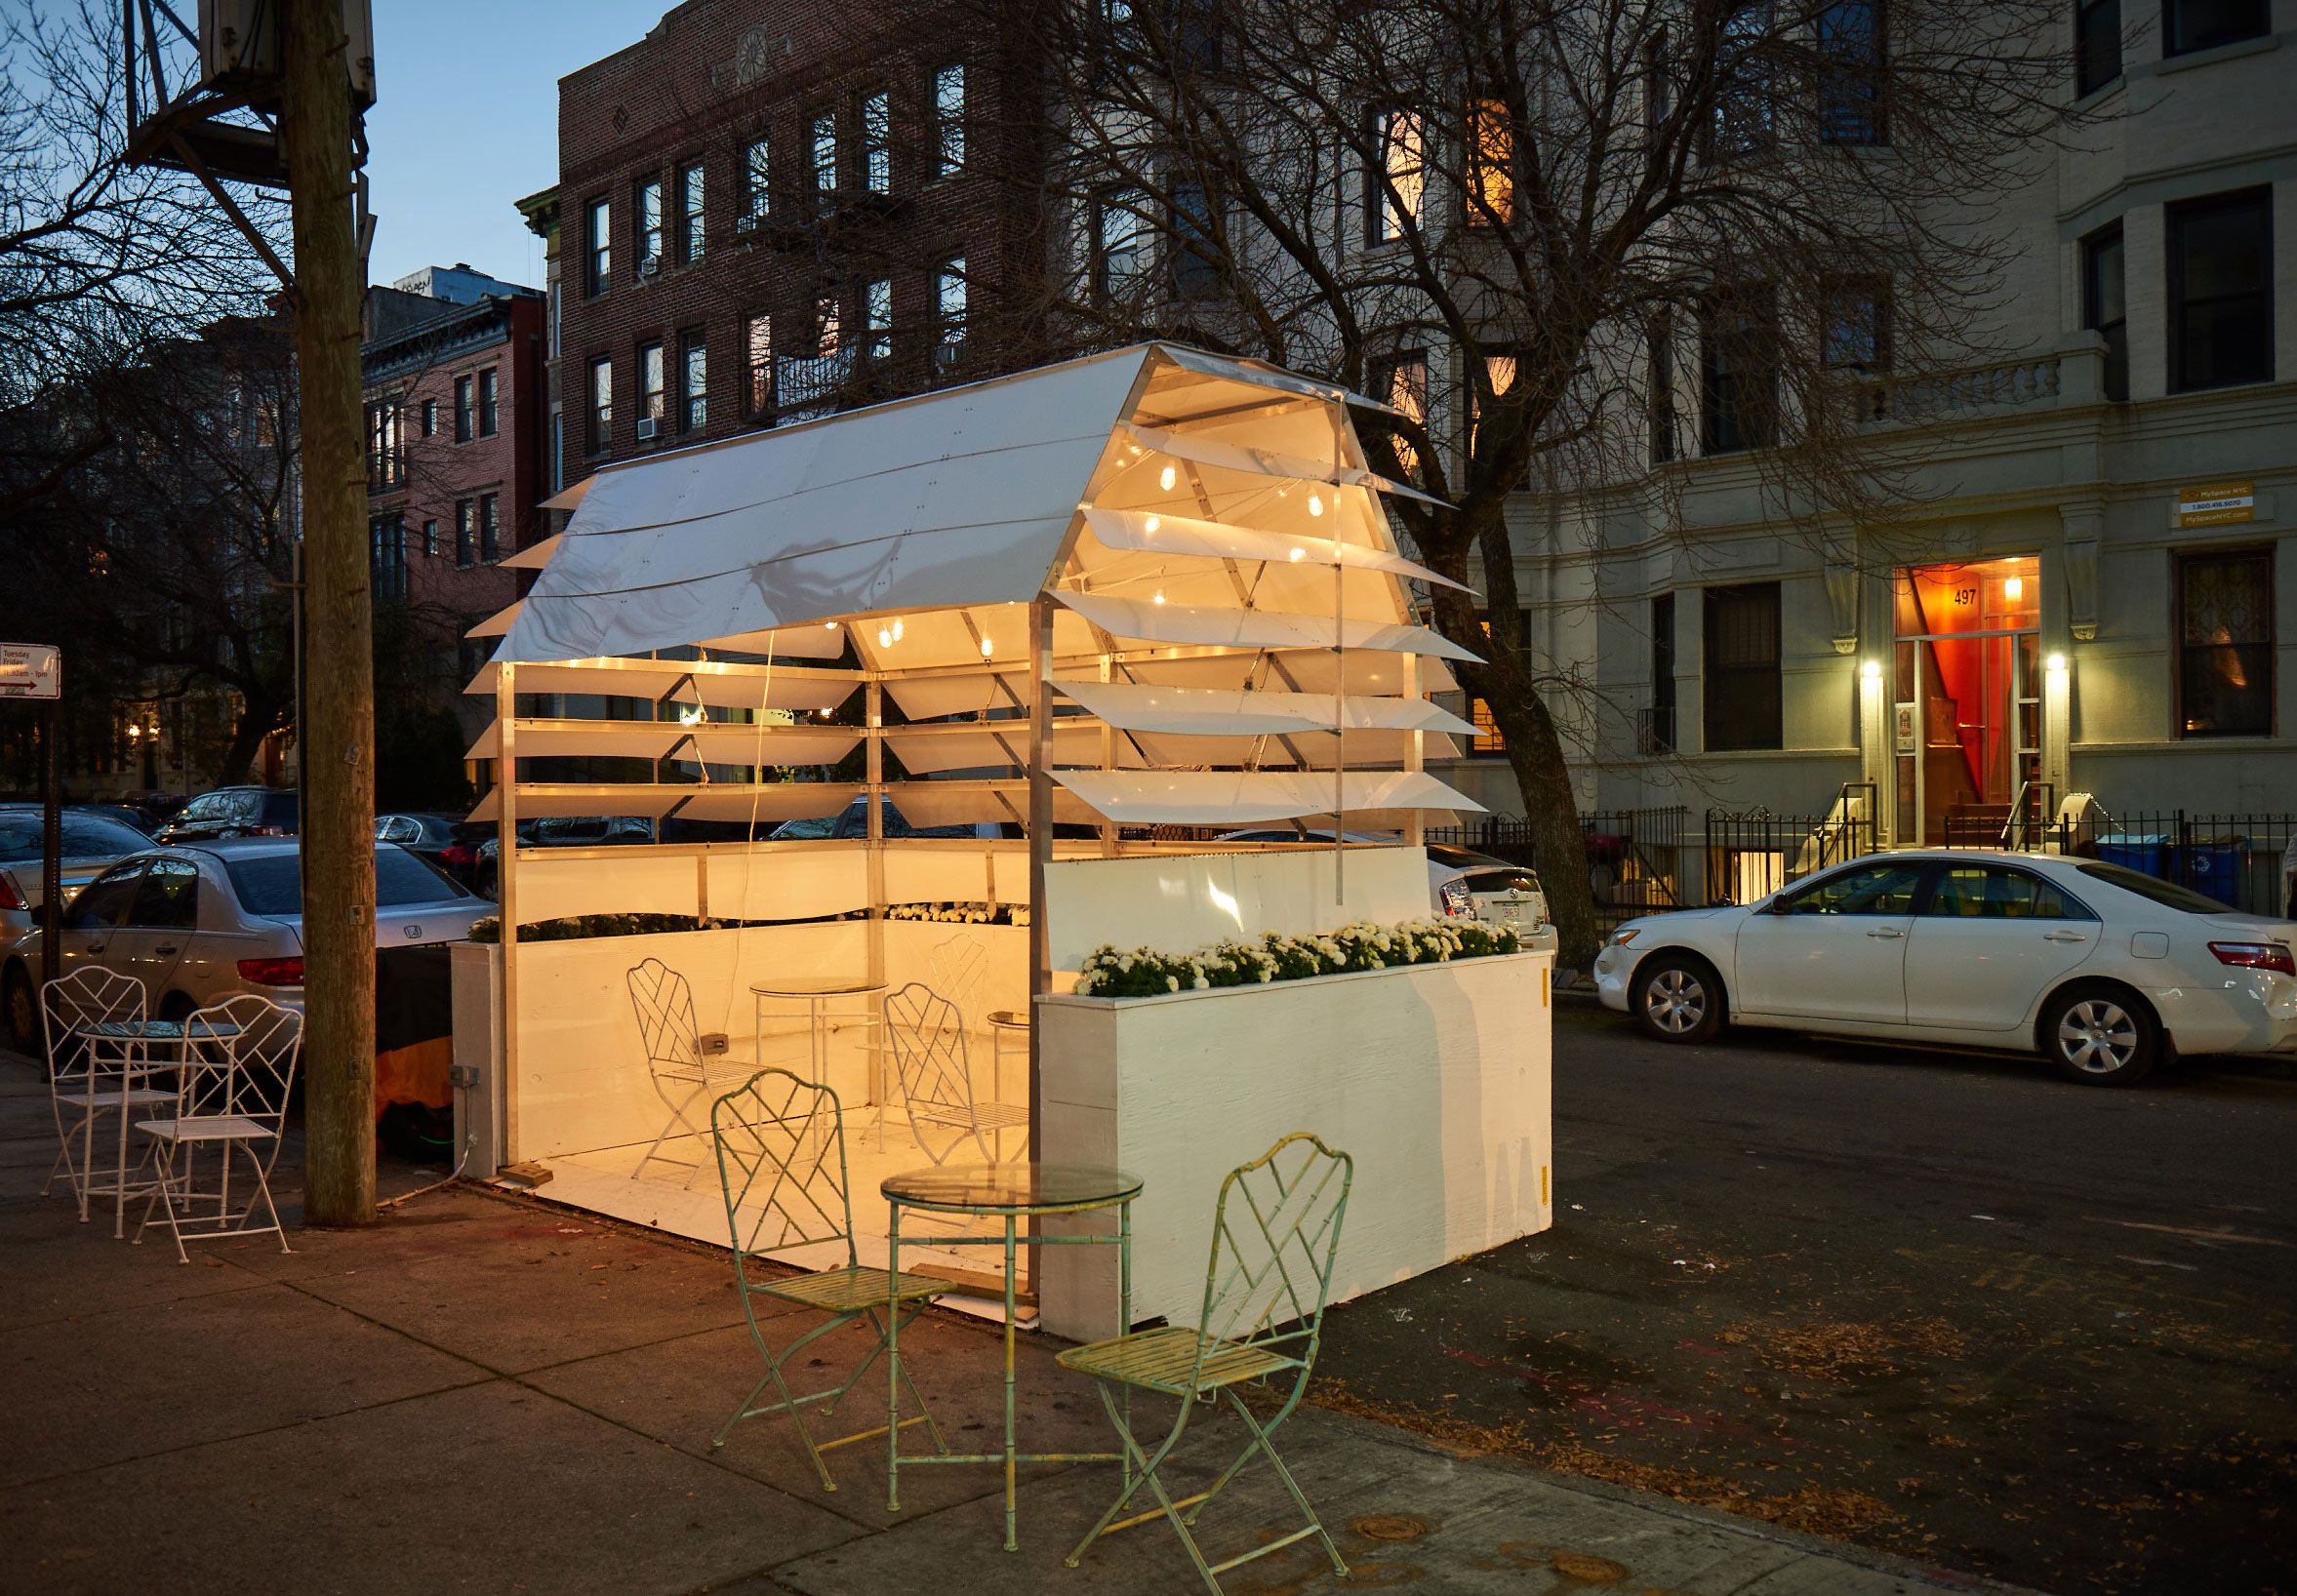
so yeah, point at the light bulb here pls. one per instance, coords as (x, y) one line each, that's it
(829, 626)
(1153, 523)
(2014, 590)
(1298, 555)
(823, 711)
(897, 629)
(985, 649)
(1166, 478)
(1159, 598)
(1315, 503)
(885, 637)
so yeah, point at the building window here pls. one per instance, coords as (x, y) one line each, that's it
(757, 171)
(1737, 369)
(2097, 45)
(1660, 364)
(466, 410)
(949, 309)
(653, 390)
(649, 226)
(825, 152)
(490, 527)
(691, 217)
(2225, 662)
(2188, 26)
(1655, 736)
(949, 121)
(1491, 164)
(877, 318)
(1395, 184)
(1742, 681)
(430, 416)
(1489, 740)
(2104, 310)
(1743, 119)
(466, 532)
(599, 243)
(1852, 54)
(827, 333)
(601, 404)
(487, 390)
(877, 143)
(692, 384)
(758, 357)
(1120, 246)
(388, 554)
(386, 453)
(430, 540)
(1854, 332)
(1195, 258)
(1658, 82)
(1402, 380)
(2221, 290)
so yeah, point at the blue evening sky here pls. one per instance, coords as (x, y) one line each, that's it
(465, 121)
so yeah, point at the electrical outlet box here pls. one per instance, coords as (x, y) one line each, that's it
(713, 1044)
(464, 1076)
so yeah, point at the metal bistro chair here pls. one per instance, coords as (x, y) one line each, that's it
(238, 1067)
(773, 1136)
(86, 1081)
(665, 1004)
(1275, 1233)
(927, 1033)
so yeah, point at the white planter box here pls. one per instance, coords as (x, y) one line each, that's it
(1438, 1078)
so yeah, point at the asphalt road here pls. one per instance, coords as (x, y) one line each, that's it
(1950, 1306)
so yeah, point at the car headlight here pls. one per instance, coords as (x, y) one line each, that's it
(1622, 936)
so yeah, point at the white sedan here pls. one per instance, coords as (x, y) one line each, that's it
(2096, 967)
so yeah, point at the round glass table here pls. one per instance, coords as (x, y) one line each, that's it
(122, 1055)
(1013, 1193)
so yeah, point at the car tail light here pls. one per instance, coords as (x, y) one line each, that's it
(10, 898)
(455, 853)
(272, 972)
(266, 832)
(2256, 956)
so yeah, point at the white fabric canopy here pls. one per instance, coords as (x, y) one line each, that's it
(1235, 457)
(499, 623)
(1249, 628)
(1250, 797)
(717, 684)
(773, 801)
(533, 556)
(1156, 534)
(712, 742)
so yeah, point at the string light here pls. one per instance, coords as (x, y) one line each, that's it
(897, 629)
(829, 626)
(1159, 598)
(985, 649)
(1166, 478)
(1298, 555)
(885, 637)
(1153, 523)
(1315, 503)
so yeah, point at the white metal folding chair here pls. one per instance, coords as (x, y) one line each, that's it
(682, 1077)
(238, 1067)
(927, 1033)
(88, 1079)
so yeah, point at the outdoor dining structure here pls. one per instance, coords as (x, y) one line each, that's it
(930, 700)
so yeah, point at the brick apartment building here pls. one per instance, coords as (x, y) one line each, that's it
(769, 209)
(455, 381)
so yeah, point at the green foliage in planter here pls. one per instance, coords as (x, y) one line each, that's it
(1141, 971)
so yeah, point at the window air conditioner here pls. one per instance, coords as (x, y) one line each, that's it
(648, 426)
(649, 267)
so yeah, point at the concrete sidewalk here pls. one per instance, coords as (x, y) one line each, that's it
(490, 1395)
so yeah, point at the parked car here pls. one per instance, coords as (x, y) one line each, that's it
(1460, 881)
(853, 820)
(2097, 967)
(426, 836)
(235, 811)
(128, 815)
(557, 831)
(198, 924)
(92, 844)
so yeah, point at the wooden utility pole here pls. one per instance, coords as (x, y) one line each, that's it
(337, 739)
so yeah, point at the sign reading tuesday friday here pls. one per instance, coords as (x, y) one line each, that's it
(30, 670)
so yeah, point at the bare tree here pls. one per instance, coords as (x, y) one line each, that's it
(1508, 216)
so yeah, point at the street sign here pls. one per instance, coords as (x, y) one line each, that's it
(30, 670)
(2217, 505)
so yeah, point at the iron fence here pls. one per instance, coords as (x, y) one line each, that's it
(1749, 855)
(2237, 859)
(1635, 856)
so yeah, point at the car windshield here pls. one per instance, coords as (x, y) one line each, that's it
(210, 806)
(273, 883)
(85, 836)
(2169, 894)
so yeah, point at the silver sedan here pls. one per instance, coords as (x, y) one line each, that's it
(197, 923)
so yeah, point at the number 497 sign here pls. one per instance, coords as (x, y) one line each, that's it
(30, 670)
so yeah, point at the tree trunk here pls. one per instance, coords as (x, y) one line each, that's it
(1558, 847)
(256, 722)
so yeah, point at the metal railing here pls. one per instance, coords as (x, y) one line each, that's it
(2234, 857)
(1755, 853)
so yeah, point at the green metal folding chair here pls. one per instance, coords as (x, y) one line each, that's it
(1275, 1233)
(774, 1135)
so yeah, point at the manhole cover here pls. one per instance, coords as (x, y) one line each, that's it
(1391, 1527)
(1597, 1570)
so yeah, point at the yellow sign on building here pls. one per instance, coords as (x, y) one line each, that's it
(2217, 505)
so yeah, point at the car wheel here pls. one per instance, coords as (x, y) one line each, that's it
(23, 1006)
(2100, 1036)
(176, 1007)
(1678, 998)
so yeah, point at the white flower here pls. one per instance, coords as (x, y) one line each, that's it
(1172, 983)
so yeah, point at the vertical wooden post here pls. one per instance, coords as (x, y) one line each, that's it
(1040, 854)
(51, 854)
(337, 742)
(507, 891)
(873, 787)
(1415, 756)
